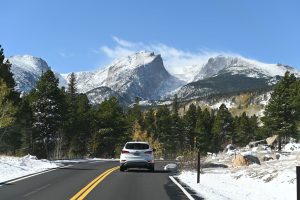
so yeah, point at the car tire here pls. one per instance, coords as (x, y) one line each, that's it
(151, 169)
(122, 169)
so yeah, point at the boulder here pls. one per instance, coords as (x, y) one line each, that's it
(252, 159)
(172, 167)
(272, 140)
(245, 160)
(267, 158)
(240, 161)
(179, 158)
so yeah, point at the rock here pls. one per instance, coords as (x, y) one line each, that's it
(252, 159)
(245, 160)
(240, 161)
(276, 156)
(229, 147)
(267, 158)
(230, 150)
(256, 143)
(171, 167)
(213, 165)
(179, 158)
(272, 140)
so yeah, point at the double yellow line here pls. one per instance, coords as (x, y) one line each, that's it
(87, 189)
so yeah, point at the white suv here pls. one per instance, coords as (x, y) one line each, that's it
(137, 155)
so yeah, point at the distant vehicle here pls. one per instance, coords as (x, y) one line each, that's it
(137, 155)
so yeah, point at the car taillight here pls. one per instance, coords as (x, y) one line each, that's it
(148, 152)
(123, 151)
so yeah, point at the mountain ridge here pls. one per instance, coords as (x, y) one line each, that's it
(144, 75)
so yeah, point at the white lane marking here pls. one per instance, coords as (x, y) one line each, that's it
(31, 175)
(182, 189)
(96, 161)
(37, 190)
(65, 166)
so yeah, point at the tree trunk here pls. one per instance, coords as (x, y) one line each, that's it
(279, 143)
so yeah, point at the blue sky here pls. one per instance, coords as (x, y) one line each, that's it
(84, 35)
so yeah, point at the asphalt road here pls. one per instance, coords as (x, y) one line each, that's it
(64, 183)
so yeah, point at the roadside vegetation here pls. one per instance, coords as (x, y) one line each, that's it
(54, 123)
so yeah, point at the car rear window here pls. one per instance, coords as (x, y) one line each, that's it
(139, 146)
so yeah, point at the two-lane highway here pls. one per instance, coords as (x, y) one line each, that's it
(95, 180)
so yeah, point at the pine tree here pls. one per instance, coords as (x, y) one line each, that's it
(10, 137)
(254, 128)
(177, 129)
(149, 122)
(72, 89)
(190, 121)
(110, 117)
(164, 131)
(81, 127)
(281, 113)
(243, 133)
(7, 76)
(222, 129)
(25, 121)
(47, 111)
(203, 129)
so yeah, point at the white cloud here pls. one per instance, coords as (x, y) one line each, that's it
(116, 52)
(122, 42)
(177, 61)
(65, 55)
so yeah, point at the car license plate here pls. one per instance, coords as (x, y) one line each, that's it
(136, 154)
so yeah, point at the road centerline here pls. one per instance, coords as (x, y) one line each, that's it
(89, 187)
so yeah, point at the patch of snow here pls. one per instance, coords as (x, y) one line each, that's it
(14, 167)
(273, 179)
(248, 153)
(291, 147)
(228, 103)
(222, 184)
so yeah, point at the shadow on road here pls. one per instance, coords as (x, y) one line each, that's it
(173, 189)
(147, 171)
(72, 168)
(6, 183)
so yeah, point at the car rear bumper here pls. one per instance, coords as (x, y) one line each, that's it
(137, 164)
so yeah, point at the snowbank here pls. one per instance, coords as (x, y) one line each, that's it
(14, 167)
(274, 179)
(222, 184)
(290, 147)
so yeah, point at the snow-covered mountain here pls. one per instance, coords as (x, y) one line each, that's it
(223, 75)
(27, 69)
(139, 75)
(143, 75)
(240, 65)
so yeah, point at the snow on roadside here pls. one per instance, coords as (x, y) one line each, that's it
(274, 179)
(222, 184)
(85, 160)
(14, 167)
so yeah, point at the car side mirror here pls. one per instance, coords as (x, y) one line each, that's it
(154, 150)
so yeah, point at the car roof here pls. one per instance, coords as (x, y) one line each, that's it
(137, 142)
